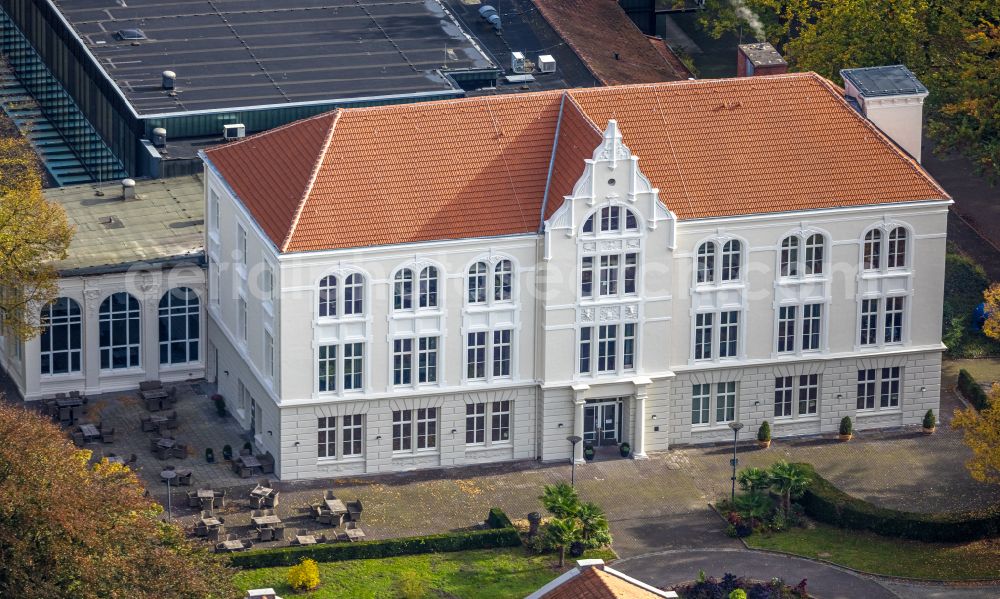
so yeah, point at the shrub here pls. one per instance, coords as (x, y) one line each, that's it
(929, 420)
(823, 501)
(304, 576)
(440, 543)
(764, 432)
(411, 585)
(247, 446)
(209, 455)
(846, 427)
(972, 391)
(227, 452)
(738, 594)
(498, 519)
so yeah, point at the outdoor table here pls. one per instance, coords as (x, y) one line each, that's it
(155, 394)
(260, 491)
(69, 402)
(116, 459)
(165, 442)
(211, 522)
(206, 494)
(89, 431)
(305, 539)
(336, 506)
(183, 471)
(355, 534)
(236, 545)
(249, 461)
(266, 520)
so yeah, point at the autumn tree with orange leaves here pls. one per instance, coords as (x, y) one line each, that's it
(981, 431)
(72, 529)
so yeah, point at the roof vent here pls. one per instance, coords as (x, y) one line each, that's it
(546, 63)
(128, 189)
(517, 62)
(130, 34)
(160, 137)
(169, 77)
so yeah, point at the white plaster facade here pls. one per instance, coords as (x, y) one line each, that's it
(268, 358)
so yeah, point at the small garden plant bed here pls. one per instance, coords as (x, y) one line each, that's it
(730, 586)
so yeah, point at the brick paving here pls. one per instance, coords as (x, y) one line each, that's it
(653, 505)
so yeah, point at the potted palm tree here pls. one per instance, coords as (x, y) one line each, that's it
(930, 422)
(846, 429)
(764, 435)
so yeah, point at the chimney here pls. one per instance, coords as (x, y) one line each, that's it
(160, 137)
(169, 77)
(128, 189)
(759, 59)
(583, 564)
(892, 98)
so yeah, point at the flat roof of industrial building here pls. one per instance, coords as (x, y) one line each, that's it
(243, 53)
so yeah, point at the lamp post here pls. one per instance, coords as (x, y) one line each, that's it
(573, 439)
(736, 426)
(168, 475)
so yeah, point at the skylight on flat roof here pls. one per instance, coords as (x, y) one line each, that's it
(131, 34)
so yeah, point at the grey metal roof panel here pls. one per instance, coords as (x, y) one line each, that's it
(893, 80)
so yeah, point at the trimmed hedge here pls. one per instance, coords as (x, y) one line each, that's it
(453, 541)
(972, 391)
(498, 519)
(825, 502)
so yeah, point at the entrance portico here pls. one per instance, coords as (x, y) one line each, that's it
(608, 415)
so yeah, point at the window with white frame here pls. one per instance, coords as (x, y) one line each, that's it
(732, 255)
(879, 388)
(353, 433)
(724, 397)
(426, 428)
(716, 335)
(326, 428)
(787, 317)
(701, 403)
(802, 255)
(628, 346)
(354, 294)
(808, 394)
(872, 253)
(427, 360)
(241, 243)
(60, 344)
(404, 429)
(495, 344)
(805, 386)
(179, 326)
(611, 271)
(725, 402)
(893, 319)
(495, 414)
(885, 314)
(353, 366)
(800, 328)
(328, 296)
(268, 355)
(476, 283)
(327, 368)
(607, 348)
(869, 321)
(402, 361)
(611, 219)
(895, 255)
(784, 391)
(342, 295)
(118, 329)
(349, 429)
(706, 262)
(428, 287)
(241, 316)
(503, 282)
(481, 288)
(345, 358)
(812, 324)
(414, 355)
(213, 210)
(402, 290)
(719, 261)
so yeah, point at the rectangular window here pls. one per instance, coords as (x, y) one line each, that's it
(267, 282)
(869, 321)
(808, 394)
(783, 397)
(500, 421)
(786, 329)
(242, 316)
(426, 428)
(402, 361)
(701, 398)
(811, 323)
(353, 434)
(609, 275)
(607, 340)
(866, 389)
(889, 397)
(729, 324)
(894, 319)
(213, 200)
(628, 347)
(353, 366)
(587, 277)
(703, 324)
(501, 352)
(586, 342)
(475, 423)
(476, 356)
(327, 433)
(268, 355)
(241, 243)
(327, 368)
(725, 402)
(402, 430)
(631, 264)
(215, 276)
(427, 358)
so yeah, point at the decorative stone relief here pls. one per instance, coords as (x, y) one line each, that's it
(632, 311)
(632, 243)
(590, 246)
(91, 299)
(587, 315)
(611, 244)
(610, 313)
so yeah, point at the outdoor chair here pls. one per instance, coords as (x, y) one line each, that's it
(245, 451)
(147, 425)
(185, 479)
(204, 513)
(256, 513)
(150, 385)
(193, 499)
(329, 494)
(244, 472)
(180, 451)
(162, 452)
(206, 503)
(75, 394)
(133, 459)
(200, 530)
(272, 499)
(266, 464)
(265, 533)
(279, 533)
(354, 509)
(108, 436)
(78, 439)
(220, 498)
(264, 482)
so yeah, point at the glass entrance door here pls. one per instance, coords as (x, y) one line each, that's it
(601, 423)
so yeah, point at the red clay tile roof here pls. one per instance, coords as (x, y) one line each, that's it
(668, 55)
(598, 29)
(594, 583)
(477, 167)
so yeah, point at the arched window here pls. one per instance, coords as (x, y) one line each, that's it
(897, 248)
(354, 294)
(180, 330)
(873, 250)
(60, 340)
(118, 325)
(328, 296)
(502, 281)
(814, 254)
(428, 287)
(477, 283)
(731, 256)
(790, 256)
(706, 262)
(612, 219)
(402, 295)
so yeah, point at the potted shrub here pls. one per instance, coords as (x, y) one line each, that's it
(209, 455)
(930, 422)
(248, 447)
(227, 453)
(220, 405)
(846, 429)
(764, 435)
(588, 452)
(624, 449)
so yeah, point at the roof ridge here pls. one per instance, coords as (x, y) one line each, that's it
(312, 180)
(260, 134)
(879, 134)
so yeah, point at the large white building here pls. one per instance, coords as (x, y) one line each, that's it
(475, 280)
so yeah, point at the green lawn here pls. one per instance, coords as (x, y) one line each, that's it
(486, 574)
(884, 555)
(964, 282)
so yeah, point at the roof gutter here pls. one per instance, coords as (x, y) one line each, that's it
(552, 163)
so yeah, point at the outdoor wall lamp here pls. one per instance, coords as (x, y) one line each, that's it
(922, 389)
(270, 434)
(840, 396)
(560, 425)
(654, 416)
(378, 437)
(296, 443)
(454, 430)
